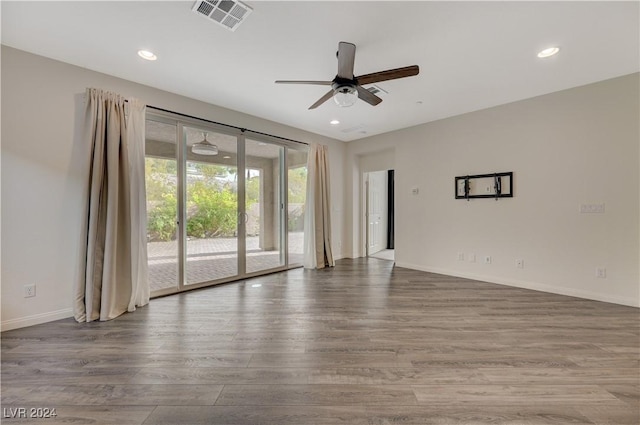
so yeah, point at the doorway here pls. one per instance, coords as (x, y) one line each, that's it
(380, 234)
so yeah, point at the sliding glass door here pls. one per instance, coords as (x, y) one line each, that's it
(217, 204)
(263, 205)
(211, 213)
(161, 178)
(296, 201)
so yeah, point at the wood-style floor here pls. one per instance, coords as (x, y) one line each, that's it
(362, 343)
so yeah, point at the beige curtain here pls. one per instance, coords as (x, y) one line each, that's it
(115, 274)
(317, 223)
(140, 289)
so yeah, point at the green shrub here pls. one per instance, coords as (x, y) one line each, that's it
(211, 211)
(161, 217)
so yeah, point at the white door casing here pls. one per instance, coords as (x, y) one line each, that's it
(377, 212)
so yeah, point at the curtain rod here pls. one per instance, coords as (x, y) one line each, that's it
(226, 125)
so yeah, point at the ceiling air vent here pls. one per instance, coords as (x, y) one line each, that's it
(359, 128)
(377, 90)
(227, 13)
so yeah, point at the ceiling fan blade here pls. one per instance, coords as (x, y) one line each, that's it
(317, 83)
(367, 96)
(322, 100)
(390, 74)
(346, 58)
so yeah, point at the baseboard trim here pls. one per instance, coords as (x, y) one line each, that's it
(36, 319)
(536, 286)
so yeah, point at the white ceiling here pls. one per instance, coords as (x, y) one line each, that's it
(472, 55)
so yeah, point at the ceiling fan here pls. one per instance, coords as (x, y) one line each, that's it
(346, 88)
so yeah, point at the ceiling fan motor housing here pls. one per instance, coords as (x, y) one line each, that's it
(345, 92)
(343, 85)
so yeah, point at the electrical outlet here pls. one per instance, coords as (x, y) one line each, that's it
(487, 259)
(601, 272)
(520, 263)
(461, 256)
(471, 258)
(29, 291)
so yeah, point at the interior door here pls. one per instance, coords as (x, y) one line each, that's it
(376, 220)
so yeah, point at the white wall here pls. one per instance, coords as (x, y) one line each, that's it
(578, 146)
(45, 172)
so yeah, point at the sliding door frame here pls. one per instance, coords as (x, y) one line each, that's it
(181, 226)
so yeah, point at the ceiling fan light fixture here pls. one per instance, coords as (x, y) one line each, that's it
(345, 96)
(204, 147)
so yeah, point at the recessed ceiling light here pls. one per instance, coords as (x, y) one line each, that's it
(548, 52)
(145, 54)
(334, 122)
(226, 157)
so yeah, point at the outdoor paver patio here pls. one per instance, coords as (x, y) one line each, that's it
(213, 258)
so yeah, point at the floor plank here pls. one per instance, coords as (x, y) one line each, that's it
(226, 376)
(528, 395)
(116, 395)
(316, 395)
